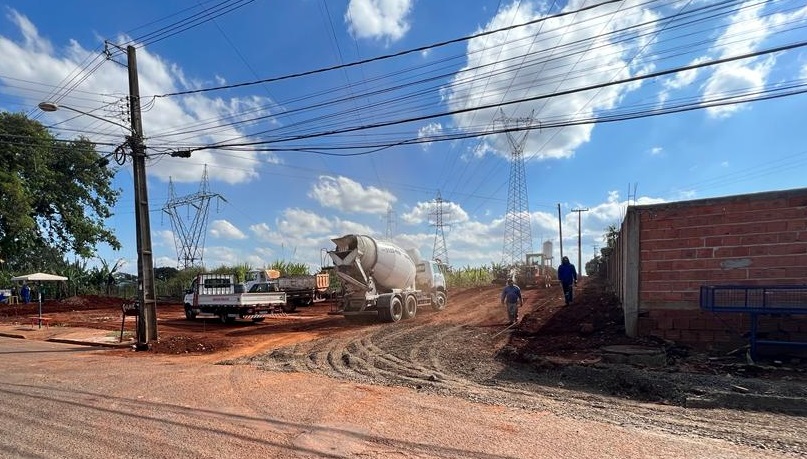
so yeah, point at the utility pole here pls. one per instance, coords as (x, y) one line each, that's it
(579, 244)
(147, 316)
(560, 232)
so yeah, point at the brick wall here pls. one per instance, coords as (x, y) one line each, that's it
(755, 239)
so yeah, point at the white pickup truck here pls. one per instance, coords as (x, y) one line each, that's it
(219, 296)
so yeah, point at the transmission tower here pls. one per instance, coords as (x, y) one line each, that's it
(517, 229)
(390, 224)
(189, 231)
(440, 251)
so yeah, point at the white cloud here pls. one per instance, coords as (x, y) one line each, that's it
(680, 79)
(425, 212)
(163, 238)
(348, 195)
(507, 66)
(35, 59)
(655, 151)
(378, 19)
(748, 75)
(733, 78)
(429, 131)
(263, 233)
(343, 227)
(225, 230)
(298, 222)
(216, 256)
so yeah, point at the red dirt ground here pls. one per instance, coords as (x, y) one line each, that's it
(548, 327)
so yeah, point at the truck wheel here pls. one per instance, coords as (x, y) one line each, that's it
(393, 312)
(258, 319)
(439, 301)
(410, 307)
(189, 314)
(289, 307)
(225, 319)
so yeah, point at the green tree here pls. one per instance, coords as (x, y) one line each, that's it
(55, 196)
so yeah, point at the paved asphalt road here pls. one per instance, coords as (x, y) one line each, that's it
(67, 401)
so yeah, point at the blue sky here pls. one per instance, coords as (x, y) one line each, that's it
(412, 108)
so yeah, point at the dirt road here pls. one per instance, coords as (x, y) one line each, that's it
(467, 353)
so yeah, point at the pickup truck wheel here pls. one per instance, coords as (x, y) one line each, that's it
(410, 307)
(439, 301)
(189, 314)
(225, 319)
(289, 307)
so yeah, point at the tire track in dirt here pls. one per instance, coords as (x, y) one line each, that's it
(454, 353)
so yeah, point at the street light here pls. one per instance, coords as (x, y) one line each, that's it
(52, 107)
(147, 316)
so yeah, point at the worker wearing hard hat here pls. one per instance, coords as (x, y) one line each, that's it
(567, 275)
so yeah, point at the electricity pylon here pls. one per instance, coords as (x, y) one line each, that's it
(390, 224)
(517, 227)
(189, 232)
(440, 250)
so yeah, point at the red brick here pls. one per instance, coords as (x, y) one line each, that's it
(763, 203)
(761, 238)
(788, 237)
(740, 251)
(706, 336)
(767, 273)
(796, 225)
(699, 232)
(689, 336)
(645, 324)
(673, 335)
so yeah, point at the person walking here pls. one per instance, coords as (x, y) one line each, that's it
(567, 275)
(511, 297)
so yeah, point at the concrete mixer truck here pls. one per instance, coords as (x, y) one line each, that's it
(379, 278)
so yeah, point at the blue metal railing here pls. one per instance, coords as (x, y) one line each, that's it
(756, 300)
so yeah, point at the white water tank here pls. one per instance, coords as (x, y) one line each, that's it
(547, 250)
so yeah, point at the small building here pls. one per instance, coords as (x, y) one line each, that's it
(665, 252)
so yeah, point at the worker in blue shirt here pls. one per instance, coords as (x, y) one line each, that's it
(511, 297)
(25, 293)
(567, 275)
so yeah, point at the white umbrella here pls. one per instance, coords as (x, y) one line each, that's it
(39, 277)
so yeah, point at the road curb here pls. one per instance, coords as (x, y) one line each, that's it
(12, 335)
(88, 343)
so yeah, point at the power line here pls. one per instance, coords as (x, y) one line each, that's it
(385, 56)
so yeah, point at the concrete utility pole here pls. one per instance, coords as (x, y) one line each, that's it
(147, 318)
(579, 244)
(560, 232)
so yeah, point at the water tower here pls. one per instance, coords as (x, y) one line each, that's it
(546, 250)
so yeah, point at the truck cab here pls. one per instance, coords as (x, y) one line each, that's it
(429, 276)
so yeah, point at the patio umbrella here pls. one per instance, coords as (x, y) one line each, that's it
(39, 277)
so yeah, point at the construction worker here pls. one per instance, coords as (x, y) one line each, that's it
(567, 275)
(511, 297)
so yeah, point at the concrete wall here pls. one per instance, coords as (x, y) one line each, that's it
(755, 239)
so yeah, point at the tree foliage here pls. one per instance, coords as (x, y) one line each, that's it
(55, 196)
(596, 266)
